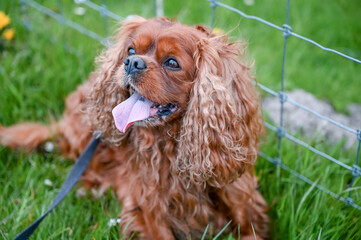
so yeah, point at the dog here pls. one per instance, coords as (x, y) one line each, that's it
(180, 123)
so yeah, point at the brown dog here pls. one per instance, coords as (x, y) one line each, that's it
(180, 122)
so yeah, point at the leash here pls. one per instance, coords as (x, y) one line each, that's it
(70, 181)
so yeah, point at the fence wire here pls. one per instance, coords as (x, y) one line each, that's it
(62, 20)
(355, 170)
(287, 32)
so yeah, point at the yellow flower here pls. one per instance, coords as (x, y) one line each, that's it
(218, 31)
(8, 34)
(4, 20)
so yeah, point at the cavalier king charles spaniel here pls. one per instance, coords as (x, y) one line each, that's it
(180, 123)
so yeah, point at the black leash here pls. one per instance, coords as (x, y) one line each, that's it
(70, 181)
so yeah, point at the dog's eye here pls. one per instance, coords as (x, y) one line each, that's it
(131, 51)
(172, 64)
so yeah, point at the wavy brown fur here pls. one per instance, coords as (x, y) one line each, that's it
(175, 177)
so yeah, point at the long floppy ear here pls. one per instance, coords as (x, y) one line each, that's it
(221, 128)
(106, 93)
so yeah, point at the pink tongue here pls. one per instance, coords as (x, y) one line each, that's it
(135, 108)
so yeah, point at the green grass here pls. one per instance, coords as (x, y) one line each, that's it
(36, 74)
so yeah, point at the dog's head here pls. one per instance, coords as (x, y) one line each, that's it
(160, 73)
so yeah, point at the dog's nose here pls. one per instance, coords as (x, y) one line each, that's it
(134, 64)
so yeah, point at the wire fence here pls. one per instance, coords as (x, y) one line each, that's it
(287, 32)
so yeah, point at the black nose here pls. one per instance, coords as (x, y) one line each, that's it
(134, 64)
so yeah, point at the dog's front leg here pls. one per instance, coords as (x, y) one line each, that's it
(140, 223)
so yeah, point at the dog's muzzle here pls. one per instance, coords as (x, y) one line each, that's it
(134, 64)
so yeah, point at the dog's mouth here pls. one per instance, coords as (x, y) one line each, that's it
(140, 109)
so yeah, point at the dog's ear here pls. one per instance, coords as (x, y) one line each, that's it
(106, 94)
(221, 128)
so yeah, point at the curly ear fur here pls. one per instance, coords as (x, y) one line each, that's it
(106, 93)
(222, 125)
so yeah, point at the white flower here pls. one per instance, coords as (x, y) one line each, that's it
(113, 222)
(49, 146)
(47, 182)
(79, 1)
(80, 11)
(249, 2)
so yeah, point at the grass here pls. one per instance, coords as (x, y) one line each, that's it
(36, 74)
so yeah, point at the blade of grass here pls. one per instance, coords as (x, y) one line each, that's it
(254, 233)
(319, 234)
(305, 196)
(205, 232)
(223, 229)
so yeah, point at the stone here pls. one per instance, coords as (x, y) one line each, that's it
(297, 120)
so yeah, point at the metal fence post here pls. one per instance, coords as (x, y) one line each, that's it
(356, 169)
(213, 6)
(158, 8)
(103, 13)
(282, 95)
(62, 22)
(24, 16)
